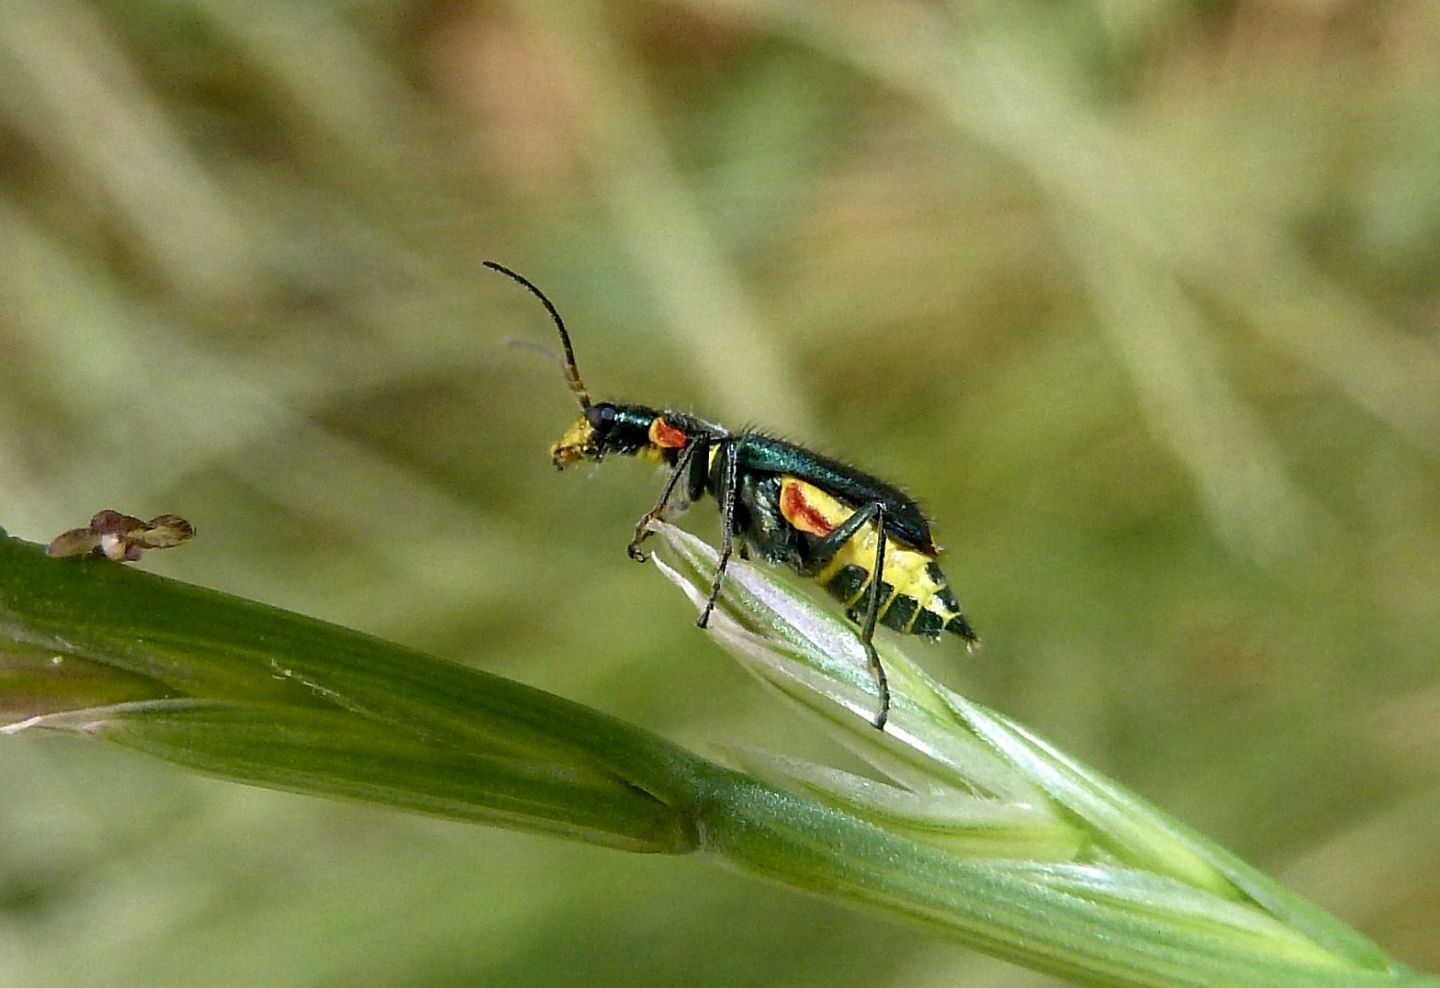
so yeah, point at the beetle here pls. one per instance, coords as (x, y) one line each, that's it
(865, 541)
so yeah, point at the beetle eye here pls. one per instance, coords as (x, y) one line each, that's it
(601, 416)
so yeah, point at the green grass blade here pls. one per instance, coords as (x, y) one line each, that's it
(337, 754)
(1161, 883)
(262, 696)
(202, 644)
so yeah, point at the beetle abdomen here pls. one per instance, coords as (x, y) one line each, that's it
(915, 596)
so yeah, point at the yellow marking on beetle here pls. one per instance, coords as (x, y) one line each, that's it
(802, 506)
(578, 443)
(907, 570)
(810, 509)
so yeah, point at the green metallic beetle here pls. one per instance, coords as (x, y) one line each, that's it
(865, 541)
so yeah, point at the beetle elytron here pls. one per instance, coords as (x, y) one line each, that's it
(864, 540)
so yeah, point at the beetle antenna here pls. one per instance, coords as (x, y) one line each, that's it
(572, 373)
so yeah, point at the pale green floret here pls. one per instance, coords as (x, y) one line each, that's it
(1160, 902)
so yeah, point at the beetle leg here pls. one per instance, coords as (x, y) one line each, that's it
(642, 527)
(824, 551)
(699, 467)
(727, 528)
(867, 633)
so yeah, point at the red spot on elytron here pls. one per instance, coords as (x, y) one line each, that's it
(665, 435)
(801, 513)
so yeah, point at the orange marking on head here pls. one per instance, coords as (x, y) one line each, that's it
(801, 513)
(665, 435)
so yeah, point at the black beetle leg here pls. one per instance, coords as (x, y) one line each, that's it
(824, 550)
(642, 527)
(727, 528)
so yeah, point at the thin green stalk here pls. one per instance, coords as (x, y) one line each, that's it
(982, 832)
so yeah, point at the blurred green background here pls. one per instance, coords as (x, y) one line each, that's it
(1142, 299)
